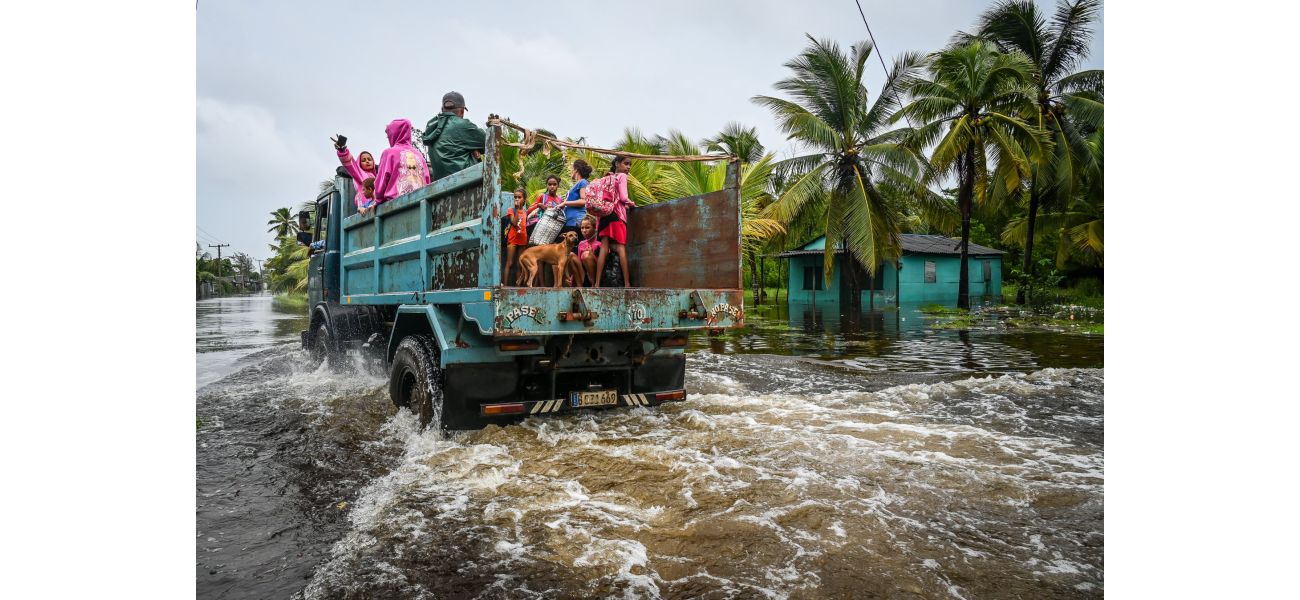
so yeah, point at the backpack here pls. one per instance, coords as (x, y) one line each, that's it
(599, 195)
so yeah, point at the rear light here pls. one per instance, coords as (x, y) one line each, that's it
(503, 409)
(673, 342)
(677, 395)
(518, 345)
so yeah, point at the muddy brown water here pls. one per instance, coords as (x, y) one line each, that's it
(817, 456)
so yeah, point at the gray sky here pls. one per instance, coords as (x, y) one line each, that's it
(276, 80)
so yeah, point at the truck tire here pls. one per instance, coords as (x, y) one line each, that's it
(415, 382)
(320, 343)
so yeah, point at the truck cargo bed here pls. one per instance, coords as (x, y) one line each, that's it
(442, 244)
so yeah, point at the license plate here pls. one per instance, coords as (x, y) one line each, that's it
(600, 398)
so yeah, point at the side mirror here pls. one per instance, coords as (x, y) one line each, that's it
(304, 238)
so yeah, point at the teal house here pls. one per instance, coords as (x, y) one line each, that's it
(927, 273)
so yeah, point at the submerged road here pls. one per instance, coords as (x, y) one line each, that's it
(863, 457)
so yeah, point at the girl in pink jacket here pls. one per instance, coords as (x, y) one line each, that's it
(360, 170)
(401, 167)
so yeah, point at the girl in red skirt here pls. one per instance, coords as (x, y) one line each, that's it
(613, 227)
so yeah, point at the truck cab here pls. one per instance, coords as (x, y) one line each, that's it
(421, 280)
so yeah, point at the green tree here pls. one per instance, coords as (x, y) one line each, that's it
(737, 140)
(243, 265)
(282, 223)
(1077, 223)
(286, 270)
(968, 108)
(530, 169)
(852, 149)
(1068, 102)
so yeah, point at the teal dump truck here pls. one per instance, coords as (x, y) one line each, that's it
(420, 279)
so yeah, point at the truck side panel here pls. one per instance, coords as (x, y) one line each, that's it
(690, 242)
(439, 237)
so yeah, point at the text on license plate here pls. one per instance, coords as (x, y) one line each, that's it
(600, 398)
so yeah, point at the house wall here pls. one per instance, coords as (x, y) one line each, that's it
(911, 279)
(798, 295)
(831, 293)
(947, 276)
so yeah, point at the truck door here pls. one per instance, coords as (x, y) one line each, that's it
(316, 264)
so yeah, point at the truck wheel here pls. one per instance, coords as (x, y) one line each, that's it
(320, 343)
(415, 382)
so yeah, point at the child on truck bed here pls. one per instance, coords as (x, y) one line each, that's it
(588, 247)
(366, 201)
(613, 227)
(359, 170)
(516, 233)
(547, 200)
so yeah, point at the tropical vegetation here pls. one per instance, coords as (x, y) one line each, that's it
(851, 152)
(969, 110)
(1068, 112)
(996, 138)
(224, 274)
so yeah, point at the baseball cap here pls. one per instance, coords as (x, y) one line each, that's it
(453, 100)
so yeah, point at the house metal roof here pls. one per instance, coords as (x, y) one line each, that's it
(912, 243)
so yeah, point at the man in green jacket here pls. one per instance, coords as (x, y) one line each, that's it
(453, 142)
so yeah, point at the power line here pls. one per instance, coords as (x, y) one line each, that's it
(879, 52)
(204, 239)
(208, 233)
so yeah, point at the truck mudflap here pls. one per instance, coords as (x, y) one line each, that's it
(557, 405)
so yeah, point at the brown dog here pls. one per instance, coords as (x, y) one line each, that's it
(556, 254)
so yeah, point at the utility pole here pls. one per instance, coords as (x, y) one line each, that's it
(218, 247)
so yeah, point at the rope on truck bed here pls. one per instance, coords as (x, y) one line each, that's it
(532, 137)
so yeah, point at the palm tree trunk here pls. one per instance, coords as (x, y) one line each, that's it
(964, 198)
(753, 276)
(849, 283)
(1027, 265)
(871, 292)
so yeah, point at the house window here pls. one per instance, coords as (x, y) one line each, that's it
(988, 270)
(812, 279)
(929, 272)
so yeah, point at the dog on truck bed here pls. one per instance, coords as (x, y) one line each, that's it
(556, 255)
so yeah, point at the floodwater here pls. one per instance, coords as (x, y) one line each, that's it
(817, 456)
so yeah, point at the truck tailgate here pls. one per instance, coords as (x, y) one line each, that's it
(551, 311)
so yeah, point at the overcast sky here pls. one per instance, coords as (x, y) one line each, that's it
(276, 80)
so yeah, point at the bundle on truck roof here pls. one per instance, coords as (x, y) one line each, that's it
(422, 279)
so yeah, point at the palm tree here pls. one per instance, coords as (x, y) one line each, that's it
(282, 223)
(537, 164)
(1078, 222)
(851, 150)
(737, 140)
(1068, 102)
(970, 105)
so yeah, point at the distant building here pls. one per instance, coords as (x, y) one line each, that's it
(929, 274)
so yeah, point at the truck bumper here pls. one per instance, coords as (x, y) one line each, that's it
(480, 394)
(541, 407)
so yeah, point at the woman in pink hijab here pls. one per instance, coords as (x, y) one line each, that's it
(401, 167)
(359, 170)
